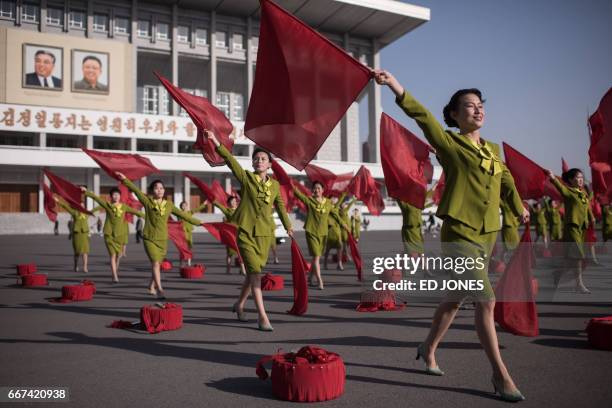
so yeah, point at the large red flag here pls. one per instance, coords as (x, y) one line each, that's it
(303, 86)
(68, 191)
(439, 190)
(364, 187)
(515, 309)
(564, 166)
(49, 203)
(177, 235)
(299, 268)
(206, 117)
(356, 255)
(225, 233)
(219, 191)
(405, 162)
(600, 124)
(133, 166)
(602, 185)
(530, 179)
(206, 190)
(128, 199)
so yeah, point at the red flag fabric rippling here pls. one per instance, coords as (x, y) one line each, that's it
(50, 204)
(133, 166)
(600, 124)
(225, 233)
(356, 255)
(128, 199)
(364, 187)
(68, 191)
(299, 269)
(177, 235)
(531, 180)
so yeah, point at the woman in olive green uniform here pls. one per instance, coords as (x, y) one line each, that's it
(115, 226)
(259, 192)
(345, 207)
(316, 226)
(476, 179)
(606, 220)
(79, 233)
(229, 212)
(412, 236)
(578, 215)
(187, 226)
(157, 212)
(556, 223)
(356, 224)
(539, 215)
(334, 234)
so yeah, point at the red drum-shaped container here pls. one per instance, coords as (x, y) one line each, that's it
(192, 272)
(599, 332)
(156, 319)
(272, 282)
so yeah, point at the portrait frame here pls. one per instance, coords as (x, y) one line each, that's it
(77, 81)
(29, 78)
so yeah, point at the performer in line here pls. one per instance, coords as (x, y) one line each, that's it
(344, 216)
(606, 222)
(78, 231)
(541, 224)
(115, 226)
(334, 235)
(575, 222)
(554, 216)
(229, 212)
(412, 235)
(356, 224)
(320, 209)
(476, 178)
(187, 226)
(259, 192)
(510, 230)
(155, 234)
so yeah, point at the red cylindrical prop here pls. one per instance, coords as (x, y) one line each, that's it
(599, 332)
(156, 319)
(193, 272)
(35, 279)
(26, 269)
(166, 265)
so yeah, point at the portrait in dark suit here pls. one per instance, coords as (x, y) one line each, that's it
(42, 67)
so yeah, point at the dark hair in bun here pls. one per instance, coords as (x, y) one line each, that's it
(453, 104)
(570, 174)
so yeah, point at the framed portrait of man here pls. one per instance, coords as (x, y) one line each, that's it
(42, 67)
(90, 72)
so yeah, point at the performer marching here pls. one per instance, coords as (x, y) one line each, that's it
(155, 233)
(79, 233)
(606, 222)
(229, 213)
(510, 230)
(578, 215)
(412, 235)
(316, 226)
(541, 224)
(259, 192)
(476, 178)
(356, 224)
(334, 235)
(344, 216)
(187, 226)
(556, 223)
(115, 226)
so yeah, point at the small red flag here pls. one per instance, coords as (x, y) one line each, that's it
(286, 186)
(405, 162)
(356, 255)
(219, 191)
(225, 233)
(303, 86)
(600, 124)
(367, 189)
(299, 269)
(515, 308)
(205, 189)
(530, 179)
(133, 166)
(68, 191)
(334, 184)
(128, 199)
(50, 204)
(177, 235)
(206, 117)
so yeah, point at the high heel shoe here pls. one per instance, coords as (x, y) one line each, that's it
(239, 314)
(514, 396)
(428, 370)
(265, 327)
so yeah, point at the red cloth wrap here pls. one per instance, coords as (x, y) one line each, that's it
(375, 300)
(225, 233)
(34, 279)
(599, 332)
(156, 319)
(272, 282)
(310, 375)
(299, 268)
(192, 272)
(166, 265)
(77, 293)
(26, 269)
(177, 236)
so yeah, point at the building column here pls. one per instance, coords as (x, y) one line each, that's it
(43, 16)
(228, 184)
(186, 189)
(96, 181)
(133, 144)
(41, 193)
(249, 60)
(144, 187)
(213, 57)
(174, 56)
(89, 141)
(375, 109)
(134, 49)
(42, 140)
(90, 14)
(178, 188)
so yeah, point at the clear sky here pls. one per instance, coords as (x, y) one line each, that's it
(541, 65)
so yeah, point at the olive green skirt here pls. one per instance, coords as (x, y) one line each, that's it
(461, 241)
(510, 237)
(80, 243)
(156, 250)
(114, 246)
(344, 234)
(316, 244)
(412, 237)
(541, 230)
(556, 232)
(573, 236)
(334, 237)
(254, 251)
(356, 233)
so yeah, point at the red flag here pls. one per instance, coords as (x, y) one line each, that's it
(334, 184)
(299, 268)
(364, 187)
(530, 179)
(405, 162)
(207, 191)
(128, 199)
(515, 309)
(600, 124)
(177, 235)
(133, 166)
(356, 255)
(303, 86)
(68, 191)
(206, 117)
(602, 185)
(564, 166)
(286, 186)
(225, 233)
(50, 204)
(438, 190)
(219, 191)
